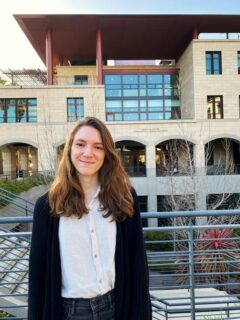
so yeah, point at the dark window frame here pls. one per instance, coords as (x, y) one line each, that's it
(212, 59)
(76, 105)
(17, 119)
(81, 79)
(143, 206)
(238, 61)
(175, 110)
(214, 97)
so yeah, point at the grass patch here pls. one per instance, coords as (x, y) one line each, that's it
(21, 185)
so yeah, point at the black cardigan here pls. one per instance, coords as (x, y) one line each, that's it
(131, 283)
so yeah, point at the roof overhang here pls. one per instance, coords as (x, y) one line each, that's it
(124, 37)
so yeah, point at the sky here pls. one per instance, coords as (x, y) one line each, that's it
(16, 51)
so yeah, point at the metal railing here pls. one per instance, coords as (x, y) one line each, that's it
(194, 267)
(12, 205)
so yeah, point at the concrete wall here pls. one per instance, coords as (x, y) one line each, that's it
(186, 83)
(64, 75)
(227, 84)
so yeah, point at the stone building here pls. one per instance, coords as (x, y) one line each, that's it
(170, 98)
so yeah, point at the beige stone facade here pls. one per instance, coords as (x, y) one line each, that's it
(50, 130)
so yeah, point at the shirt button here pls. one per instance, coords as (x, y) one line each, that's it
(95, 256)
(100, 281)
(92, 231)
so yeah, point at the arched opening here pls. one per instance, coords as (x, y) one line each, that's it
(18, 160)
(222, 156)
(133, 156)
(174, 157)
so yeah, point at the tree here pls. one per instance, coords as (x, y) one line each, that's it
(2, 81)
(176, 158)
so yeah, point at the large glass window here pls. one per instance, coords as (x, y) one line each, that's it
(32, 110)
(75, 109)
(134, 97)
(2, 110)
(238, 61)
(213, 62)
(18, 110)
(215, 107)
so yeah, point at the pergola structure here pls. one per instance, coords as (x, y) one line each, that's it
(26, 77)
(88, 38)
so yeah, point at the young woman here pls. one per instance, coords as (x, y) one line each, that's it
(87, 258)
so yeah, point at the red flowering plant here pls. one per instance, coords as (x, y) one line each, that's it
(214, 249)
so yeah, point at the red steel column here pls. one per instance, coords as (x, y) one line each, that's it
(49, 57)
(99, 57)
(195, 33)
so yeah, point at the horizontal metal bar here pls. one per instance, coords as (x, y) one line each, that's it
(204, 310)
(190, 214)
(4, 220)
(194, 227)
(15, 196)
(172, 214)
(15, 234)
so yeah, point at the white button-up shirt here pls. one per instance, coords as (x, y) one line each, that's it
(87, 251)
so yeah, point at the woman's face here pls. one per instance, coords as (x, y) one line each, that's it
(87, 152)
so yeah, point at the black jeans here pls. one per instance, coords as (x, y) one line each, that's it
(98, 308)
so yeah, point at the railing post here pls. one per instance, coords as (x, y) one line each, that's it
(26, 208)
(191, 269)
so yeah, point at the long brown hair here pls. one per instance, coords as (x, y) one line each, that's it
(66, 195)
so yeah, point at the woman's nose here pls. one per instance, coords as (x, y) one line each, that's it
(88, 151)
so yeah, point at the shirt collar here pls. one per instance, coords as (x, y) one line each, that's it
(97, 192)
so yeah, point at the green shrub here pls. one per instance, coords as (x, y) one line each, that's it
(4, 314)
(156, 241)
(236, 232)
(21, 185)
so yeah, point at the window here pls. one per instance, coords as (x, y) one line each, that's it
(238, 61)
(18, 110)
(81, 80)
(213, 62)
(215, 107)
(134, 97)
(223, 201)
(238, 106)
(143, 204)
(75, 109)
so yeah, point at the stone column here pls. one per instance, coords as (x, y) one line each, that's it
(99, 57)
(6, 160)
(152, 207)
(201, 181)
(23, 159)
(151, 161)
(34, 153)
(49, 57)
